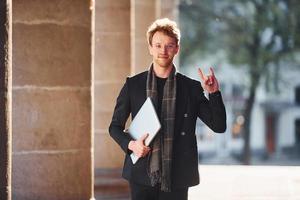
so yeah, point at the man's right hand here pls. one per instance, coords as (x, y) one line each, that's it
(138, 147)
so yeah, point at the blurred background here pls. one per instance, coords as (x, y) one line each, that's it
(254, 49)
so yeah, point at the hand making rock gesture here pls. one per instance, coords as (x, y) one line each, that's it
(209, 82)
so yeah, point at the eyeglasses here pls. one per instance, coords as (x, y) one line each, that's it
(168, 46)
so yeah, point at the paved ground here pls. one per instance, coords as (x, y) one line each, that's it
(238, 182)
(226, 182)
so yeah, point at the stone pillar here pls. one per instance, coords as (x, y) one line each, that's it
(112, 66)
(167, 8)
(52, 133)
(5, 99)
(120, 50)
(143, 13)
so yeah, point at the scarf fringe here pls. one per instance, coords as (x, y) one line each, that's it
(155, 178)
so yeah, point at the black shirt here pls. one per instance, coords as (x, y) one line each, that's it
(160, 93)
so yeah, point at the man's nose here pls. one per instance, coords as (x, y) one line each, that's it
(164, 49)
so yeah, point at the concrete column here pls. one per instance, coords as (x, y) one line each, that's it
(120, 50)
(5, 99)
(143, 13)
(169, 9)
(52, 140)
(112, 66)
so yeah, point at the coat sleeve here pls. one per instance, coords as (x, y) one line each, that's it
(211, 111)
(119, 118)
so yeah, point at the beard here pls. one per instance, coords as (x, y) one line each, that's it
(164, 62)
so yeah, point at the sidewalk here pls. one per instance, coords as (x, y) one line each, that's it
(238, 182)
(220, 182)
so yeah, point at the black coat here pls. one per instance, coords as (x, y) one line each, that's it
(190, 104)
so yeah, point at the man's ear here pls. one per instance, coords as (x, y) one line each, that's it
(150, 49)
(178, 48)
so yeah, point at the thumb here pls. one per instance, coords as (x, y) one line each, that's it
(144, 137)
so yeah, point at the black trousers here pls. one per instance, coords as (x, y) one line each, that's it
(142, 192)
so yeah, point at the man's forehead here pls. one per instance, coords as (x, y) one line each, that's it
(162, 37)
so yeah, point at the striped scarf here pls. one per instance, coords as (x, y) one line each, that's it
(160, 158)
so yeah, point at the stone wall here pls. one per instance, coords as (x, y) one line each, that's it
(112, 66)
(52, 146)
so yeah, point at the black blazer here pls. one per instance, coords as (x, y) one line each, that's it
(190, 104)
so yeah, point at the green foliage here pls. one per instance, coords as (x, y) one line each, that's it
(259, 34)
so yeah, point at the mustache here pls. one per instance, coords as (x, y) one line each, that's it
(163, 56)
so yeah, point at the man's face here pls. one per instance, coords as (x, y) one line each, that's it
(163, 49)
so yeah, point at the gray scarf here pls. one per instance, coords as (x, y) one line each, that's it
(160, 158)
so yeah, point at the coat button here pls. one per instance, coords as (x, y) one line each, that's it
(183, 133)
(185, 115)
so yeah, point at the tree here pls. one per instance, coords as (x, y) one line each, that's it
(261, 35)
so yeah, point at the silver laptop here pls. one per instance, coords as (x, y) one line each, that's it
(145, 121)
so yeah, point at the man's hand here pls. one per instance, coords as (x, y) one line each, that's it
(209, 83)
(138, 147)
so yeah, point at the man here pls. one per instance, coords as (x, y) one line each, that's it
(169, 166)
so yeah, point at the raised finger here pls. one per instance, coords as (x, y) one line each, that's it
(212, 71)
(202, 76)
(210, 80)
